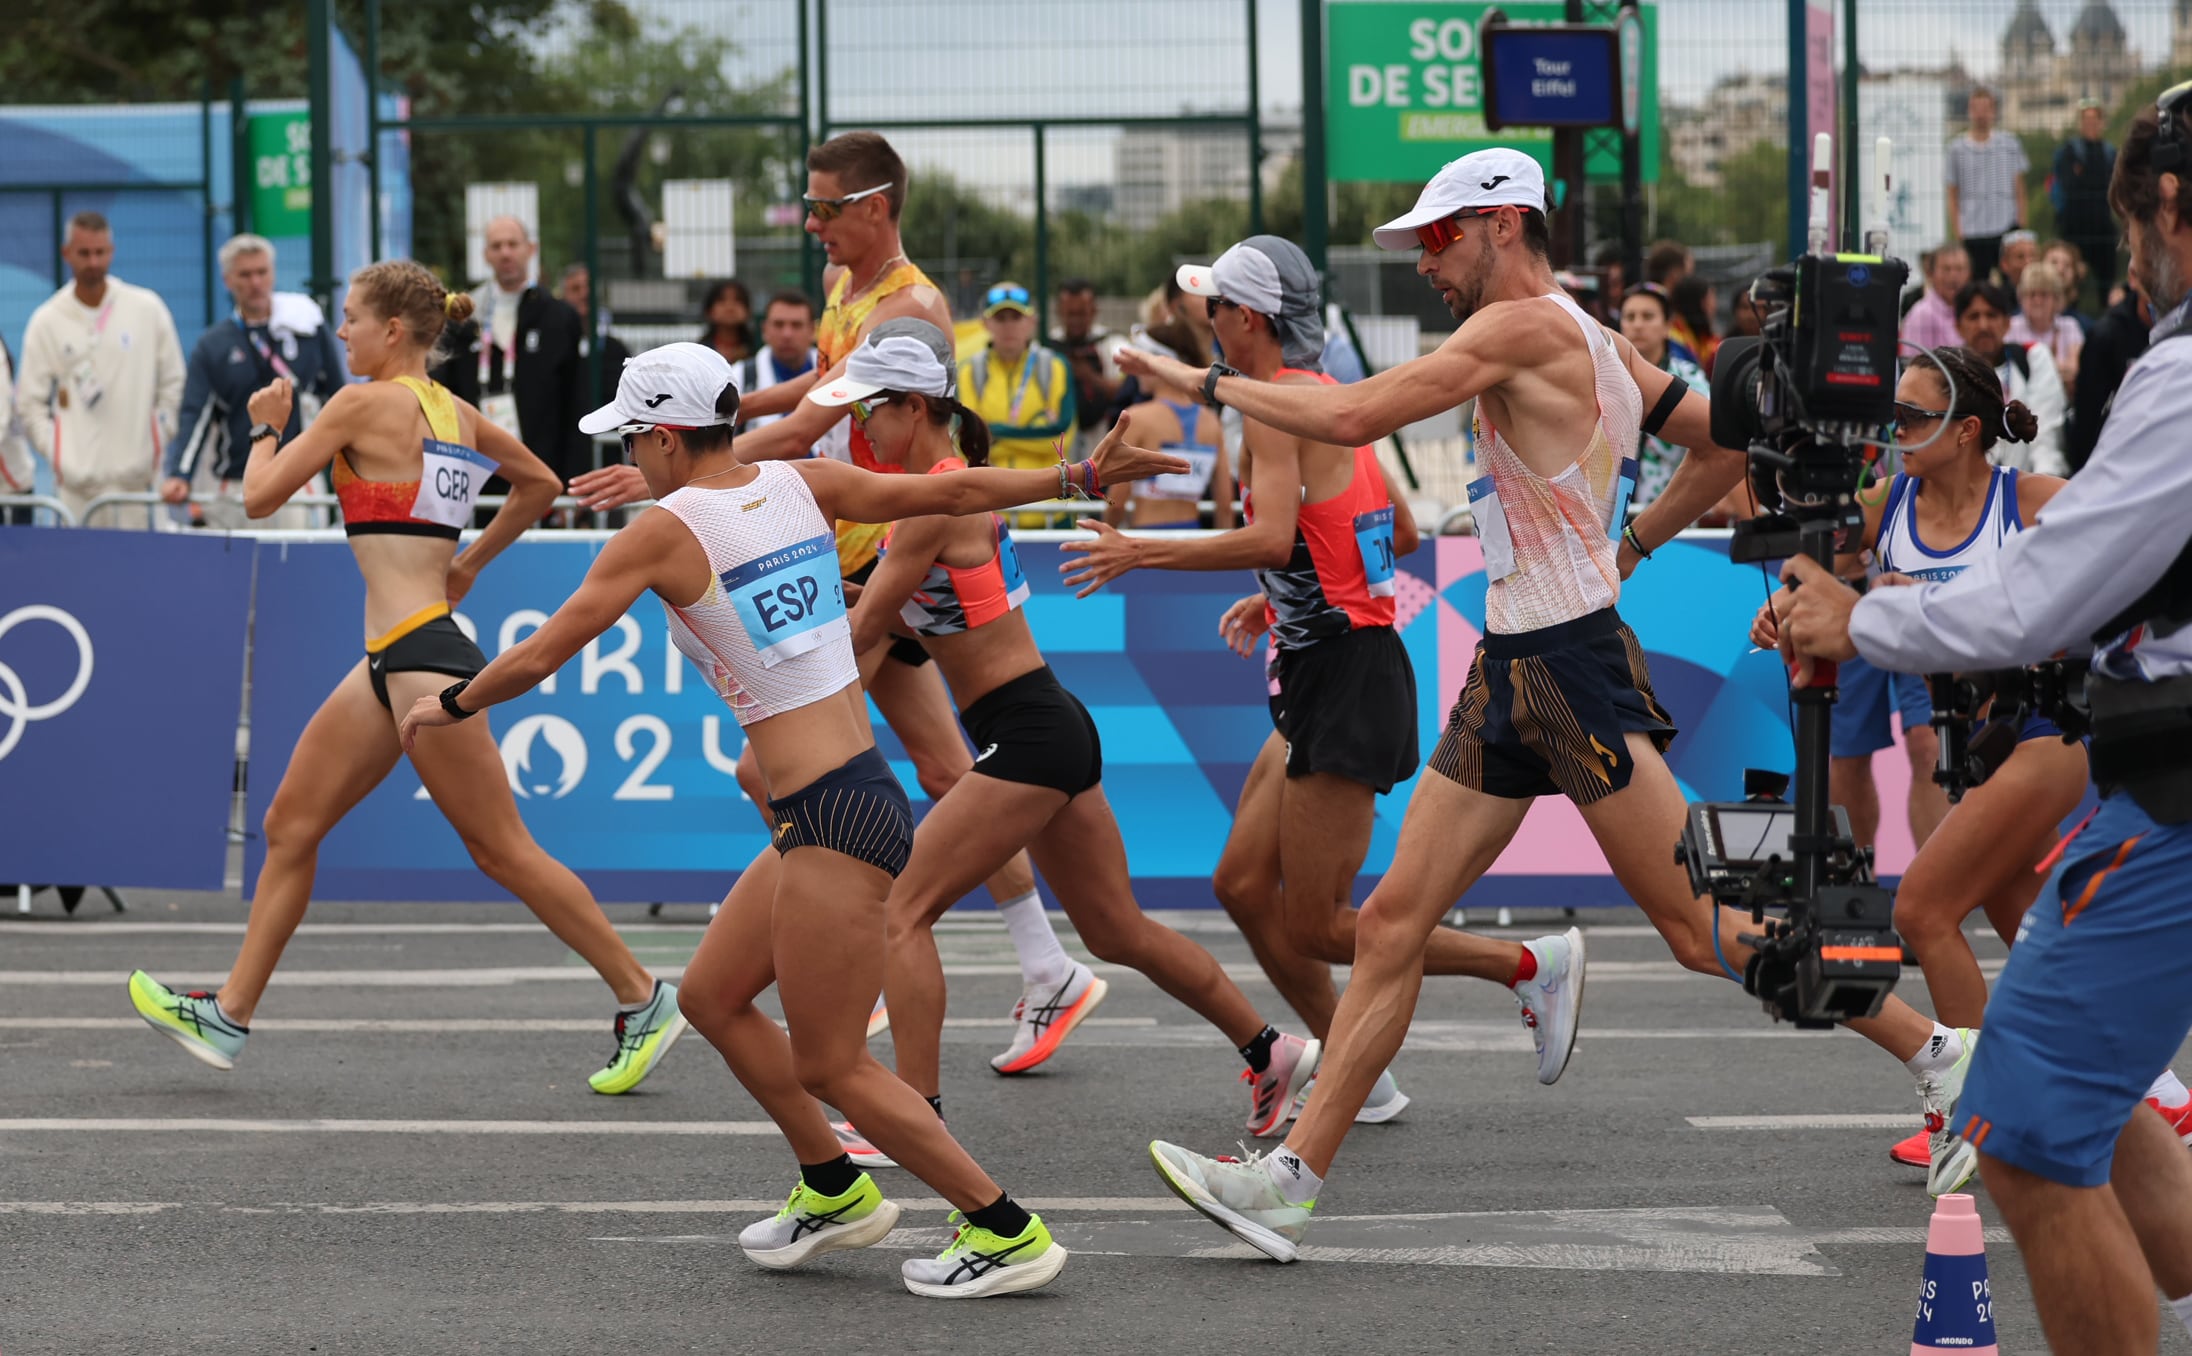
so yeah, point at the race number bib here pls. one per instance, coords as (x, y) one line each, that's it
(450, 482)
(1374, 538)
(1624, 490)
(1008, 565)
(1189, 484)
(1491, 521)
(790, 601)
(501, 411)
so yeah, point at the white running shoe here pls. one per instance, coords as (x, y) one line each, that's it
(977, 1263)
(1386, 1101)
(1552, 1000)
(811, 1223)
(857, 1148)
(879, 1019)
(1045, 1015)
(1271, 1093)
(1953, 1162)
(1238, 1194)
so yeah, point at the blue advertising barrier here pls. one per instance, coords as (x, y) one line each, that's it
(121, 673)
(624, 766)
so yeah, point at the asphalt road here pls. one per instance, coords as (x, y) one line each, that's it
(408, 1160)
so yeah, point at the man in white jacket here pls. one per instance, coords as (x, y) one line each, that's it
(101, 380)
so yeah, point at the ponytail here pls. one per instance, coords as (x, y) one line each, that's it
(970, 430)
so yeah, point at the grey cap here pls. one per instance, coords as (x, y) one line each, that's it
(1271, 276)
(903, 354)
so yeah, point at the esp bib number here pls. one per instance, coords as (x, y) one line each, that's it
(1374, 538)
(790, 601)
(451, 477)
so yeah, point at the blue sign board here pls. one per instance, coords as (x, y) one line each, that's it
(1551, 77)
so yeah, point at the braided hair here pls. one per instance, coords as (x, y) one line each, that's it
(1976, 393)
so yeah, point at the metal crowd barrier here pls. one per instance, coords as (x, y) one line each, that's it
(40, 501)
(565, 504)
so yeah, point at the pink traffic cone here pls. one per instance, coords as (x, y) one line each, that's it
(1955, 1303)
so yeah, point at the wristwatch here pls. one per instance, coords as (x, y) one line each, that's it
(259, 431)
(1210, 383)
(449, 700)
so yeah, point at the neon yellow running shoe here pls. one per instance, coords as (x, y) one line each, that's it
(979, 1263)
(811, 1223)
(643, 1038)
(192, 1020)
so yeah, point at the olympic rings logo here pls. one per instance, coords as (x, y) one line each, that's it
(15, 704)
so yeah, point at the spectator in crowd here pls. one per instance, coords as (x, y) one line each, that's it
(576, 290)
(729, 313)
(1022, 390)
(2116, 339)
(1646, 314)
(2040, 320)
(1932, 322)
(787, 352)
(1986, 185)
(2083, 165)
(102, 379)
(1157, 306)
(2069, 265)
(1613, 281)
(1668, 262)
(18, 473)
(2027, 372)
(1091, 354)
(518, 359)
(2019, 249)
(1179, 422)
(1343, 362)
(1694, 310)
(266, 334)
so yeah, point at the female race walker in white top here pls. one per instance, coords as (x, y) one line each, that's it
(405, 468)
(745, 563)
(1038, 781)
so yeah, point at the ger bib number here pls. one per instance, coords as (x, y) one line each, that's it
(789, 601)
(1374, 539)
(450, 480)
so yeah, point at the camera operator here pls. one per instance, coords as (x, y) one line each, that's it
(1947, 509)
(2097, 996)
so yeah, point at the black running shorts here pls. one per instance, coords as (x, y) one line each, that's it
(1546, 712)
(858, 809)
(439, 646)
(1347, 705)
(1031, 730)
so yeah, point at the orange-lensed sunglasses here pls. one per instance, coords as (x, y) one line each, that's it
(1437, 235)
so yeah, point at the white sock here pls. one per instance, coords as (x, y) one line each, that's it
(1292, 1176)
(2184, 1311)
(1034, 941)
(1941, 1051)
(655, 988)
(2169, 1090)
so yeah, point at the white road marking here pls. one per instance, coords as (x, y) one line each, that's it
(442, 1026)
(1894, 1120)
(1134, 1204)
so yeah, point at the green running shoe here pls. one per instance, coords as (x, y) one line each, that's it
(642, 1038)
(192, 1020)
(979, 1263)
(811, 1223)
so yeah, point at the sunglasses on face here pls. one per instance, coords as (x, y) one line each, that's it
(1437, 235)
(1909, 416)
(830, 209)
(1213, 305)
(629, 432)
(864, 410)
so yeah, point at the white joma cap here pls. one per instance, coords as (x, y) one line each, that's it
(674, 386)
(1476, 183)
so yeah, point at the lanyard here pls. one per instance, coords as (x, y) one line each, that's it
(1027, 374)
(266, 351)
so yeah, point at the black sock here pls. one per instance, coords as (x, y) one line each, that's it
(936, 1104)
(1258, 1051)
(1002, 1217)
(833, 1178)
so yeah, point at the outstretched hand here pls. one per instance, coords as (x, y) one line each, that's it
(1815, 624)
(1242, 623)
(1137, 362)
(1104, 558)
(425, 711)
(1118, 461)
(608, 487)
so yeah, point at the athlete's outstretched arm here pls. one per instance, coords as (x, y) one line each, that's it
(1479, 355)
(654, 551)
(533, 491)
(859, 496)
(1264, 544)
(777, 399)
